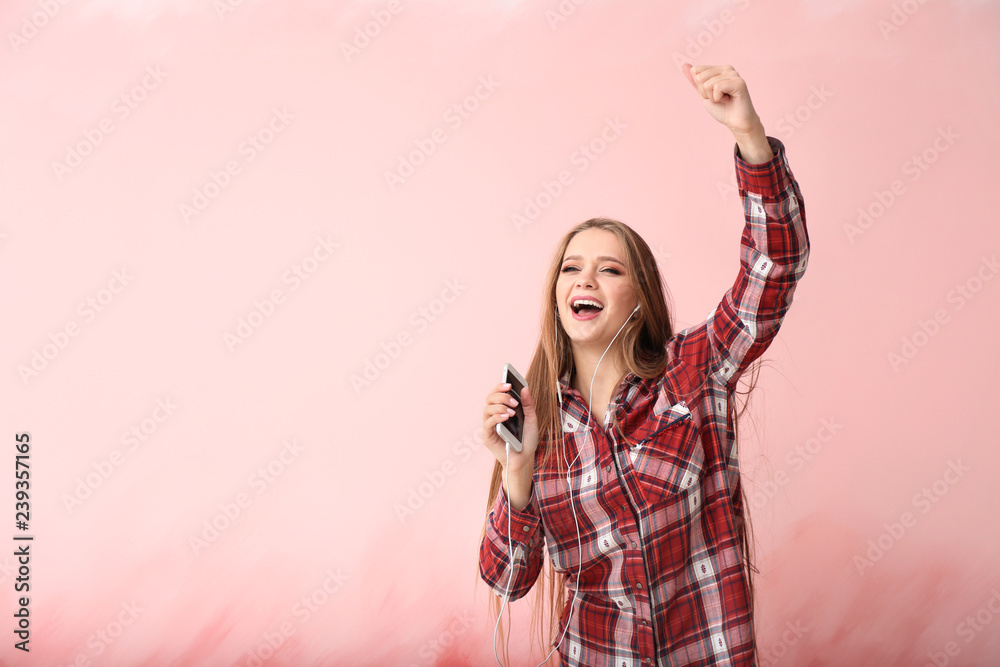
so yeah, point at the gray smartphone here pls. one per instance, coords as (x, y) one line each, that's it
(512, 428)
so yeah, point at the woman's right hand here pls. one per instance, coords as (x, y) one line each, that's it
(499, 409)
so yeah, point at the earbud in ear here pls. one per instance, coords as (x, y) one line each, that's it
(636, 308)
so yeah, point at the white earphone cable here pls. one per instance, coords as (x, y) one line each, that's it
(579, 540)
(510, 552)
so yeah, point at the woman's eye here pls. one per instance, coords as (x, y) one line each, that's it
(609, 269)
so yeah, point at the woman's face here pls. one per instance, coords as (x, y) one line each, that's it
(593, 269)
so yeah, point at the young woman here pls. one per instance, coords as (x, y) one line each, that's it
(629, 470)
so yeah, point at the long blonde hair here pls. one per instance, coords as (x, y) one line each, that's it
(643, 352)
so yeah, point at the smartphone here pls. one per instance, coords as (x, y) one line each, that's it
(512, 428)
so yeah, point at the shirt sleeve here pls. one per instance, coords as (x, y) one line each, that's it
(528, 542)
(774, 252)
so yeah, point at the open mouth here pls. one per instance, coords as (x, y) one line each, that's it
(586, 309)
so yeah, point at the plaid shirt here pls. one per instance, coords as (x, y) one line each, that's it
(662, 580)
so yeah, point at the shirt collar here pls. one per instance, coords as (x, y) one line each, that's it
(630, 379)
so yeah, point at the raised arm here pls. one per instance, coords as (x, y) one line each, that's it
(774, 247)
(774, 252)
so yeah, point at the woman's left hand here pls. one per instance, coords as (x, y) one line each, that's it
(725, 95)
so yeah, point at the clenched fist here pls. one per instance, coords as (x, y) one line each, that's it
(724, 94)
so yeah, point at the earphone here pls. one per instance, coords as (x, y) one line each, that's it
(569, 488)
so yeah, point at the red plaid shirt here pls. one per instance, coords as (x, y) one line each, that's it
(662, 581)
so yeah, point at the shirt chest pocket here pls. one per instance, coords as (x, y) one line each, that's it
(668, 458)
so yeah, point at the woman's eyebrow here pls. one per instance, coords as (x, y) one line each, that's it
(601, 258)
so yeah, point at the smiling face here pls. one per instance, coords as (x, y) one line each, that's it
(593, 276)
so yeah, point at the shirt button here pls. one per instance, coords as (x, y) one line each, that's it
(633, 545)
(608, 468)
(645, 623)
(527, 528)
(648, 660)
(639, 585)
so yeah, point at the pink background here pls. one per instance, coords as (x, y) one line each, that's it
(374, 514)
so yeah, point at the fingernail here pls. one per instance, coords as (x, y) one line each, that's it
(506, 385)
